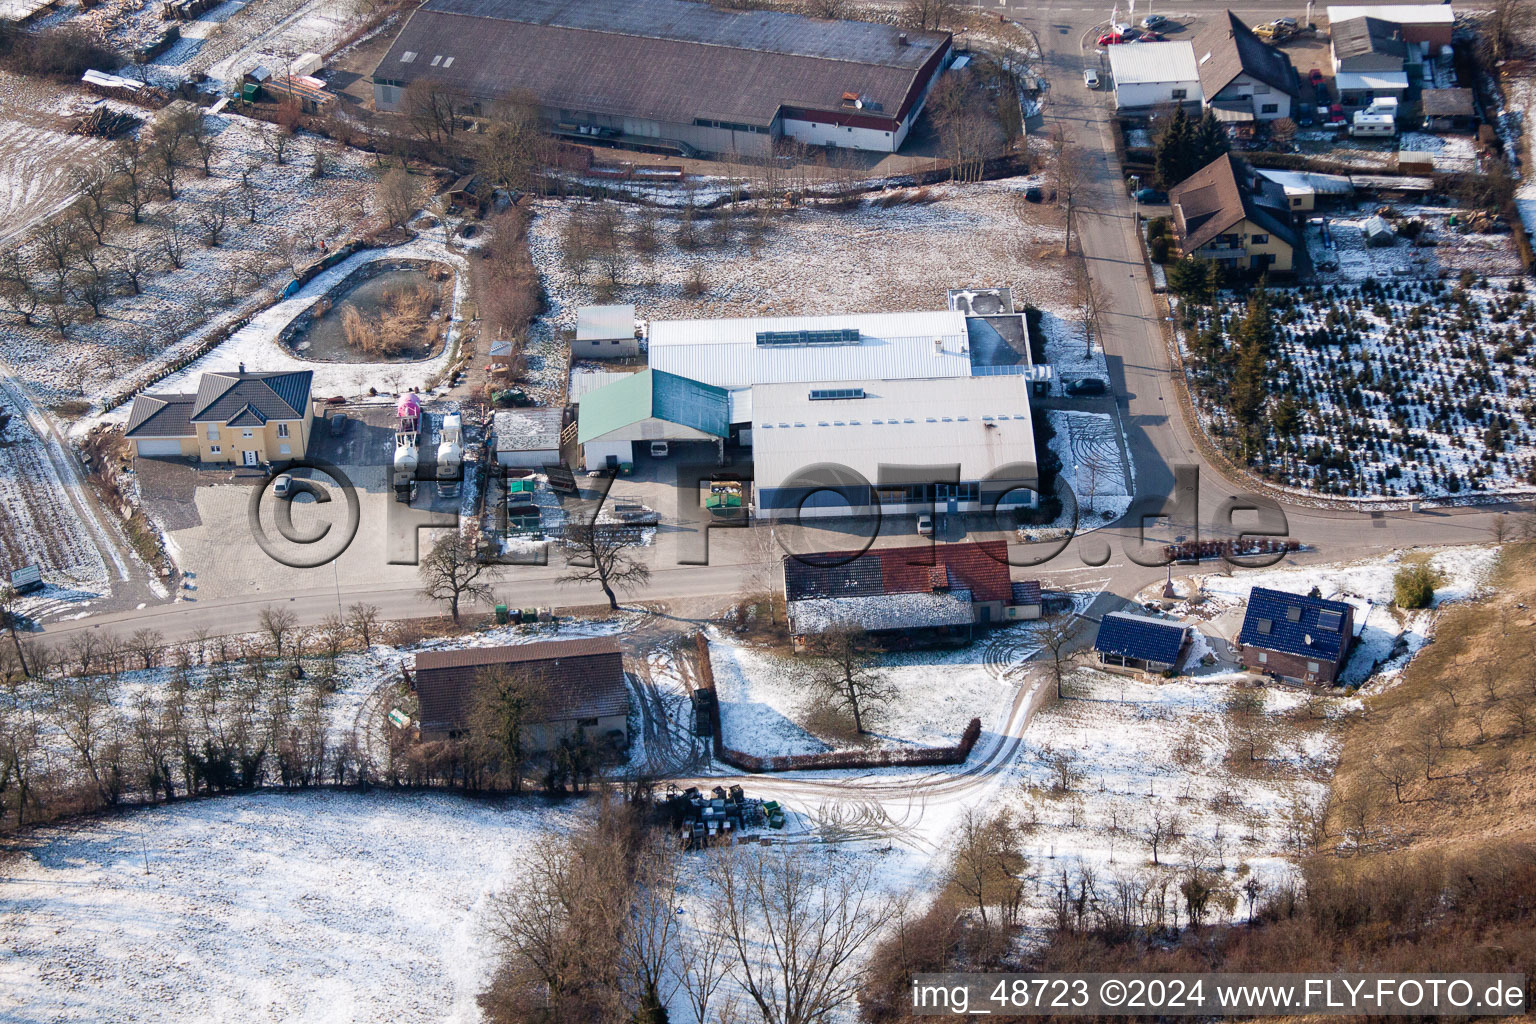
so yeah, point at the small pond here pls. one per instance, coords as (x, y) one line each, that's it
(390, 315)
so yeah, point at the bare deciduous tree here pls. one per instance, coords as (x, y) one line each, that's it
(799, 928)
(278, 623)
(603, 554)
(986, 864)
(364, 622)
(452, 573)
(847, 676)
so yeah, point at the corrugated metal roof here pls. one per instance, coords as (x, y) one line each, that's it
(666, 60)
(528, 430)
(1137, 636)
(1352, 80)
(980, 424)
(1152, 63)
(585, 382)
(653, 393)
(602, 323)
(891, 346)
(1308, 627)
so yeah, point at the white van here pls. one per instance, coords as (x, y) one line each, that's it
(660, 450)
(1090, 78)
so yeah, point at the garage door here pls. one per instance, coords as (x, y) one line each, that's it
(164, 446)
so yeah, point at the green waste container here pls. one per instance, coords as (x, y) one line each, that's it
(501, 614)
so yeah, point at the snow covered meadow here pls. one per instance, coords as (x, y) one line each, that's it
(814, 260)
(296, 214)
(1401, 388)
(320, 906)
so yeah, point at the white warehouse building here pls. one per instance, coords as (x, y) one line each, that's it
(1149, 75)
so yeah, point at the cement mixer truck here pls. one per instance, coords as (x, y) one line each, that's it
(450, 456)
(407, 452)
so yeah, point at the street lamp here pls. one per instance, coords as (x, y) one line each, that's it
(1135, 203)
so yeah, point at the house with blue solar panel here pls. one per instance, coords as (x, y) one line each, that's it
(1139, 643)
(1296, 637)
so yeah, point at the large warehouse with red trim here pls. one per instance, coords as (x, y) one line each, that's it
(673, 74)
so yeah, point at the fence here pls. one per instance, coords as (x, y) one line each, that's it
(915, 757)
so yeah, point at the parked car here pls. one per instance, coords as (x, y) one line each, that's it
(1336, 114)
(1090, 78)
(1111, 39)
(1086, 386)
(1153, 21)
(1322, 93)
(1289, 23)
(660, 450)
(1150, 195)
(282, 485)
(925, 525)
(1315, 76)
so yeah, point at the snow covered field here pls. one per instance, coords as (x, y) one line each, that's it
(769, 703)
(296, 213)
(817, 260)
(319, 906)
(1404, 388)
(1089, 446)
(1491, 254)
(1131, 749)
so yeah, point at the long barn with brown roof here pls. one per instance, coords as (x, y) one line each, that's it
(670, 74)
(578, 686)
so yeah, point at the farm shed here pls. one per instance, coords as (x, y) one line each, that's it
(1448, 110)
(1296, 637)
(528, 438)
(1378, 232)
(648, 406)
(1139, 643)
(577, 687)
(672, 75)
(605, 332)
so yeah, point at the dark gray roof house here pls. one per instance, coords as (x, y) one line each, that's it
(1296, 636)
(1216, 198)
(697, 77)
(1228, 48)
(246, 399)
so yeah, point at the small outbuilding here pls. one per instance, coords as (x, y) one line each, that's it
(1139, 643)
(528, 438)
(1378, 232)
(605, 332)
(1448, 110)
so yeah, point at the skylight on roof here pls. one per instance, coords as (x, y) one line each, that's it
(1330, 620)
(1293, 613)
(1266, 626)
(407, 56)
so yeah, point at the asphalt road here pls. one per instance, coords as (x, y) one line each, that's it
(1132, 333)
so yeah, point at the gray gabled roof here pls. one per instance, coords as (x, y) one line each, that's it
(166, 415)
(254, 397)
(1357, 37)
(664, 60)
(1229, 48)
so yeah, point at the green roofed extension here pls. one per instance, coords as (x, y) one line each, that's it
(654, 394)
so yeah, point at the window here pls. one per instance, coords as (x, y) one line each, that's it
(1264, 240)
(213, 433)
(1265, 625)
(1312, 667)
(282, 430)
(1263, 657)
(1296, 201)
(586, 723)
(213, 449)
(1270, 108)
(245, 433)
(1260, 89)
(1180, 94)
(285, 449)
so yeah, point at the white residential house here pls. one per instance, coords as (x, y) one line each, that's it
(1149, 75)
(1243, 78)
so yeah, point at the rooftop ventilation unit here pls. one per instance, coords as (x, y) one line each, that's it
(781, 339)
(835, 394)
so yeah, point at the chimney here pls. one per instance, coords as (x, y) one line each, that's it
(901, 39)
(242, 367)
(938, 346)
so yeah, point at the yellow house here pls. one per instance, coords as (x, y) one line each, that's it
(242, 418)
(1217, 216)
